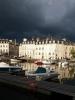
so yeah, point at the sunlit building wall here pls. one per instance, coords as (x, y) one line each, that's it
(26, 49)
(4, 46)
(8, 47)
(45, 49)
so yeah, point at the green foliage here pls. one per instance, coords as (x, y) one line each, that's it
(73, 52)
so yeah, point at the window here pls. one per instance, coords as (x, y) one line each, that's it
(39, 48)
(39, 42)
(39, 53)
(42, 53)
(65, 52)
(56, 55)
(42, 57)
(49, 53)
(3, 45)
(42, 48)
(53, 53)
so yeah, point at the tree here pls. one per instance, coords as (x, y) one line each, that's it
(73, 52)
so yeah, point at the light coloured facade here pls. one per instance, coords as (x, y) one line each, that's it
(8, 47)
(4, 46)
(45, 49)
(26, 49)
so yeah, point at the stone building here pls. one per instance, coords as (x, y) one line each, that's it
(45, 49)
(8, 48)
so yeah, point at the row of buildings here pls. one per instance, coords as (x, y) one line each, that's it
(45, 49)
(9, 48)
(37, 49)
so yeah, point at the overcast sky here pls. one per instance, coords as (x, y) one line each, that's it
(41, 15)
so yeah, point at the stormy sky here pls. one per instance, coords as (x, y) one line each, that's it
(38, 16)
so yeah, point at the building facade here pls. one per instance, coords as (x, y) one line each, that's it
(45, 49)
(13, 49)
(4, 46)
(8, 47)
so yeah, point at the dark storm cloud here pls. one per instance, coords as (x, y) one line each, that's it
(42, 15)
